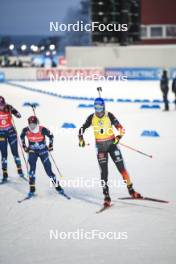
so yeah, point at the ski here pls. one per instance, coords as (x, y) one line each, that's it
(9, 180)
(104, 208)
(64, 195)
(28, 197)
(144, 199)
(4, 182)
(24, 178)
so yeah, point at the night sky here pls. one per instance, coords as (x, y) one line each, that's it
(32, 17)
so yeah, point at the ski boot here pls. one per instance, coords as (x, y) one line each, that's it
(132, 192)
(5, 176)
(31, 194)
(107, 201)
(20, 172)
(59, 189)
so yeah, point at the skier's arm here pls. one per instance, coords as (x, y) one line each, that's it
(22, 136)
(86, 125)
(46, 132)
(118, 126)
(14, 111)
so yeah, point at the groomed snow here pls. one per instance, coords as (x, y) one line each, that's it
(25, 228)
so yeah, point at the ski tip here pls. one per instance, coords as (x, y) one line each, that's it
(20, 201)
(104, 208)
(67, 197)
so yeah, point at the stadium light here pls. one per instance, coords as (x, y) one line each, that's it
(31, 47)
(42, 48)
(34, 48)
(23, 47)
(11, 47)
(48, 53)
(52, 47)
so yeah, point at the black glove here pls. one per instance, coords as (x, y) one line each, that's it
(116, 140)
(18, 115)
(50, 147)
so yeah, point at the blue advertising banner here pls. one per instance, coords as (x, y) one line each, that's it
(134, 73)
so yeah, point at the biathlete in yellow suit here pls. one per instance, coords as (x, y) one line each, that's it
(107, 143)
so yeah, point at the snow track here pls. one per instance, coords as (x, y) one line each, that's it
(25, 228)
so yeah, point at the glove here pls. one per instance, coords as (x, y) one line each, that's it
(81, 142)
(50, 147)
(117, 139)
(26, 149)
(18, 115)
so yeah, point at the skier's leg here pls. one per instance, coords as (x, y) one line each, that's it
(116, 156)
(47, 166)
(103, 163)
(32, 159)
(13, 142)
(3, 150)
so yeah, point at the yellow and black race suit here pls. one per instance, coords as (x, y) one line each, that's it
(104, 138)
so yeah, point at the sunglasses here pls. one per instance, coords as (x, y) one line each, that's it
(99, 108)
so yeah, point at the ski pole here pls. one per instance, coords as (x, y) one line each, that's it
(99, 89)
(55, 165)
(33, 108)
(136, 150)
(32, 105)
(23, 155)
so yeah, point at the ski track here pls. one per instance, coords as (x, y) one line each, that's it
(24, 228)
